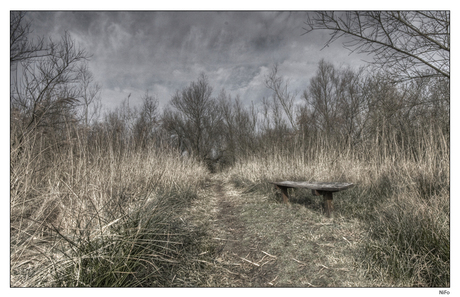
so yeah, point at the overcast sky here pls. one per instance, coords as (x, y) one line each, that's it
(160, 52)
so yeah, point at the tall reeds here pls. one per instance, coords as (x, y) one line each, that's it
(402, 195)
(88, 214)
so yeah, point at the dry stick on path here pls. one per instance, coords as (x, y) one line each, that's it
(302, 263)
(269, 254)
(244, 259)
(272, 282)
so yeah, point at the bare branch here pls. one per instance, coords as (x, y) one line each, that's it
(412, 44)
(280, 89)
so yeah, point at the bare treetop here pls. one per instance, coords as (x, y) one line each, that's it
(413, 44)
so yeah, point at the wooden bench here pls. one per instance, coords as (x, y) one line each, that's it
(325, 189)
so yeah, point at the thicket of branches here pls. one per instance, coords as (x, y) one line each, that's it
(342, 106)
(406, 44)
(54, 95)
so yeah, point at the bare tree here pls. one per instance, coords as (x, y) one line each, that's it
(352, 115)
(335, 103)
(413, 44)
(90, 91)
(21, 46)
(239, 128)
(196, 120)
(322, 98)
(146, 121)
(193, 103)
(281, 92)
(45, 90)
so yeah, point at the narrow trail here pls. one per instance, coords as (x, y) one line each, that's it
(244, 260)
(262, 243)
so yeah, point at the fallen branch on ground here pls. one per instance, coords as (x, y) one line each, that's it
(268, 254)
(250, 262)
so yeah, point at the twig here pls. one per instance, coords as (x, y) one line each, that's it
(323, 267)
(203, 261)
(108, 225)
(347, 240)
(231, 272)
(216, 238)
(250, 262)
(234, 264)
(268, 261)
(299, 261)
(269, 254)
(326, 244)
(271, 283)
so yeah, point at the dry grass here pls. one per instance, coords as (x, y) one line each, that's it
(310, 250)
(98, 211)
(400, 202)
(100, 217)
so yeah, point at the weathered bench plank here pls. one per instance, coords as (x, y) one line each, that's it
(325, 189)
(331, 187)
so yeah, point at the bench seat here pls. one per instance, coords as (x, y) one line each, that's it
(318, 188)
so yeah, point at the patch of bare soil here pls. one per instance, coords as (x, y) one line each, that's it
(247, 264)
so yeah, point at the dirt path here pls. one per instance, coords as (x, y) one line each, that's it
(246, 263)
(262, 243)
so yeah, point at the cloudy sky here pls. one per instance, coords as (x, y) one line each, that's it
(163, 51)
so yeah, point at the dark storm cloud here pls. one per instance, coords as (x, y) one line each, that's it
(133, 52)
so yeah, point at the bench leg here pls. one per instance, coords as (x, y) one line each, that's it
(284, 193)
(328, 206)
